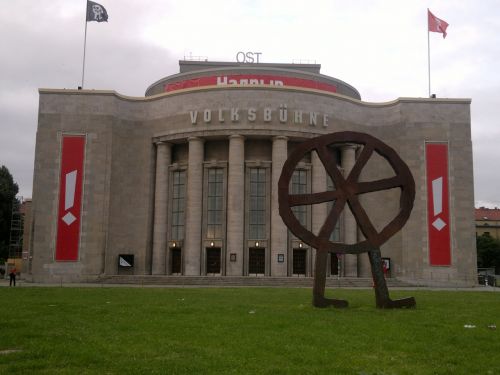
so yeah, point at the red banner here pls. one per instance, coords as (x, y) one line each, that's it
(70, 198)
(438, 210)
(249, 79)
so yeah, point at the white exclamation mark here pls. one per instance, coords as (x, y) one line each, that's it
(69, 196)
(437, 201)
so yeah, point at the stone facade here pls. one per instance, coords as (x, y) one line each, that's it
(139, 150)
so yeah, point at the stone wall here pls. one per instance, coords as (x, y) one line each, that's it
(121, 157)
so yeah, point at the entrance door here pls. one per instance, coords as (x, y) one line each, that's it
(334, 264)
(299, 261)
(175, 262)
(213, 260)
(256, 261)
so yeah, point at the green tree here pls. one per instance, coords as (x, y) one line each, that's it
(488, 252)
(8, 191)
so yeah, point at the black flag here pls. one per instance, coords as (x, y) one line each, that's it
(96, 12)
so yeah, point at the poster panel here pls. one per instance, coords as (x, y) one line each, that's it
(438, 210)
(70, 198)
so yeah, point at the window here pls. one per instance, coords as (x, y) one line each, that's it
(178, 200)
(215, 202)
(335, 236)
(299, 186)
(257, 204)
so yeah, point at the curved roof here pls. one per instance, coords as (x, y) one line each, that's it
(206, 73)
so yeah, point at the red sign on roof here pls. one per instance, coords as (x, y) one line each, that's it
(249, 80)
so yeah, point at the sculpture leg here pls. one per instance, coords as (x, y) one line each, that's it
(382, 298)
(319, 299)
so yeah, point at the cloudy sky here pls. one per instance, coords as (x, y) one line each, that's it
(378, 46)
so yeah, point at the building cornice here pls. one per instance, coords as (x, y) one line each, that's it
(291, 89)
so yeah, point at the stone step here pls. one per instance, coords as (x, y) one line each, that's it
(241, 281)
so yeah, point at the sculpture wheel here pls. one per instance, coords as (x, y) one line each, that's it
(347, 191)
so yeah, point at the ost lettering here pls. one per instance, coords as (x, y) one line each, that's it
(248, 57)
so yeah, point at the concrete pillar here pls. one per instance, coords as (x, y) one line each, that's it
(194, 208)
(235, 205)
(319, 211)
(350, 226)
(278, 228)
(163, 160)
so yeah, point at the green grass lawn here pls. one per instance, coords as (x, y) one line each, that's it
(244, 331)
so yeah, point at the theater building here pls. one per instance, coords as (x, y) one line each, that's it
(183, 181)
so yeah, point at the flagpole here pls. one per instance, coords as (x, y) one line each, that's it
(84, 47)
(428, 53)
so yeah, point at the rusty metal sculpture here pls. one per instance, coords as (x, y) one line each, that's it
(347, 191)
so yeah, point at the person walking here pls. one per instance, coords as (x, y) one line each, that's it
(12, 275)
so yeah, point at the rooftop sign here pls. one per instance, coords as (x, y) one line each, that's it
(248, 57)
(249, 80)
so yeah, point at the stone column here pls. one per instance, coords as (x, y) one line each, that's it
(235, 205)
(319, 211)
(279, 233)
(194, 208)
(350, 226)
(163, 160)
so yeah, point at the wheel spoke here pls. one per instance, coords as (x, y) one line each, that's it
(329, 161)
(366, 153)
(331, 220)
(316, 198)
(385, 184)
(362, 219)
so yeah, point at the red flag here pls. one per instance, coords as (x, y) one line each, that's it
(436, 25)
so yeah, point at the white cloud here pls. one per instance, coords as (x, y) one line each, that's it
(378, 46)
